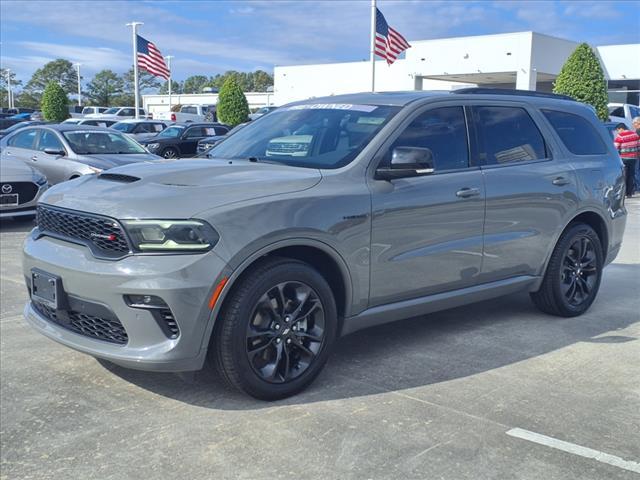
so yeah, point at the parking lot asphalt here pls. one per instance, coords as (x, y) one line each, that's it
(494, 390)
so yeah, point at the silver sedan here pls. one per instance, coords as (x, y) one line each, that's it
(65, 151)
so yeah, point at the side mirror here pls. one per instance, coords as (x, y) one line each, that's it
(55, 152)
(407, 162)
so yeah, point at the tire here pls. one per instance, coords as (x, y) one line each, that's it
(263, 352)
(169, 152)
(573, 276)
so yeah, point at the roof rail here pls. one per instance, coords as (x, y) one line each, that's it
(503, 91)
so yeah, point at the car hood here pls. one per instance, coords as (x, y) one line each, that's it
(12, 170)
(106, 161)
(179, 188)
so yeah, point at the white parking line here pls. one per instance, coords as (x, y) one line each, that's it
(575, 449)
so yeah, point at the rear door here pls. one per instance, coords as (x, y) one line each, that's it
(426, 233)
(189, 143)
(22, 145)
(530, 188)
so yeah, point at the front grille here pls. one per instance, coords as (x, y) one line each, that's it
(106, 329)
(167, 322)
(103, 235)
(26, 190)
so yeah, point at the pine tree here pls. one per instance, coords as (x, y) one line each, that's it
(54, 103)
(232, 108)
(582, 78)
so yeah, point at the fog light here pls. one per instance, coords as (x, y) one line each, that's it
(144, 301)
(160, 311)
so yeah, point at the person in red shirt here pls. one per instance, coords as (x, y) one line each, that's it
(628, 145)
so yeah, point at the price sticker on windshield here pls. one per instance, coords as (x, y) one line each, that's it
(332, 106)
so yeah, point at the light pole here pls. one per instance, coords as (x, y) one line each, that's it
(77, 65)
(134, 37)
(168, 59)
(9, 92)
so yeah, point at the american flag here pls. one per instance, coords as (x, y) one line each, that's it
(389, 43)
(150, 58)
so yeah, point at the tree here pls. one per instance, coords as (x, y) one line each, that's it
(261, 80)
(60, 71)
(176, 87)
(194, 84)
(105, 86)
(232, 108)
(257, 81)
(55, 103)
(582, 78)
(4, 95)
(146, 82)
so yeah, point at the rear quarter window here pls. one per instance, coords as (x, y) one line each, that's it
(576, 132)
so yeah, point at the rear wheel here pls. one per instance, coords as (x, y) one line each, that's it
(574, 273)
(277, 329)
(170, 152)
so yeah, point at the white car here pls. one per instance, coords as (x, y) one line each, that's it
(96, 122)
(189, 113)
(623, 113)
(141, 129)
(118, 113)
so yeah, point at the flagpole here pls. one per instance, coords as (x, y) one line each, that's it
(77, 65)
(373, 45)
(168, 59)
(134, 35)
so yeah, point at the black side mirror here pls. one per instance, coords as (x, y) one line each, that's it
(55, 152)
(407, 162)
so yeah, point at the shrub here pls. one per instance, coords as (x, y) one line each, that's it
(232, 107)
(582, 78)
(54, 103)
(176, 107)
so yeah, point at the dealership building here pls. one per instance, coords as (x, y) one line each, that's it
(523, 60)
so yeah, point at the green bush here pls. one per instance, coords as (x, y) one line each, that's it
(54, 103)
(232, 107)
(582, 78)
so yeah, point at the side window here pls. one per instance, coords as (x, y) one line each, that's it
(141, 112)
(634, 111)
(441, 130)
(127, 112)
(194, 132)
(49, 140)
(102, 110)
(617, 112)
(189, 110)
(507, 135)
(157, 127)
(24, 139)
(577, 133)
(221, 130)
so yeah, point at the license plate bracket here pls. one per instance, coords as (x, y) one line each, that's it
(9, 200)
(46, 288)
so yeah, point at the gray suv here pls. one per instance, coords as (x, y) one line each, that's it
(322, 218)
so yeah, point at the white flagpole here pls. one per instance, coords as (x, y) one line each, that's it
(79, 87)
(168, 59)
(134, 32)
(373, 45)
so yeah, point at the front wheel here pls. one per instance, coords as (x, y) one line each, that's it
(574, 273)
(170, 152)
(277, 329)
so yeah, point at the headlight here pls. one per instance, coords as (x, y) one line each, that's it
(206, 146)
(39, 179)
(171, 235)
(153, 146)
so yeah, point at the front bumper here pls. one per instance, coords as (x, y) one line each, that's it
(24, 209)
(184, 282)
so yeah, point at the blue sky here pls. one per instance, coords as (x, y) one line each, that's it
(209, 37)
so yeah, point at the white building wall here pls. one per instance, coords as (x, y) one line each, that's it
(160, 103)
(621, 62)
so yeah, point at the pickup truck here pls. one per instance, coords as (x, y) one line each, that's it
(189, 113)
(623, 113)
(118, 113)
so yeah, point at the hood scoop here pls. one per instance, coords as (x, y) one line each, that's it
(118, 177)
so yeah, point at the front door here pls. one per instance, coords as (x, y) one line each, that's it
(427, 231)
(53, 166)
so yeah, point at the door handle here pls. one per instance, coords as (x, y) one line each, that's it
(8, 153)
(34, 158)
(467, 192)
(560, 181)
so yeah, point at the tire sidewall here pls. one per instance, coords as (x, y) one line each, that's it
(578, 231)
(291, 271)
(169, 149)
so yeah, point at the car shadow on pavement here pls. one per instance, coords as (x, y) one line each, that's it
(426, 350)
(18, 224)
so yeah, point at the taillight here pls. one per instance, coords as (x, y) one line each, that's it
(173, 117)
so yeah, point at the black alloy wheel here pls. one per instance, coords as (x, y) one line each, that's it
(170, 152)
(579, 273)
(285, 332)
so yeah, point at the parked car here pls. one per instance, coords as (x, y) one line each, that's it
(118, 113)
(611, 128)
(20, 188)
(140, 129)
(181, 140)
(261, 261)
(261, 112)
(19, 125)
(96, 122)
(189, 113)
(64, 151)
(623, 113)
(209, 142)
(91, 110)
(75, 111)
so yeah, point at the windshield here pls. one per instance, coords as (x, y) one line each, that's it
(313, 136)
(124, 127)
(91, 142)
(111, 111)
(171, 132)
